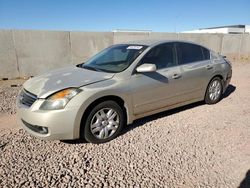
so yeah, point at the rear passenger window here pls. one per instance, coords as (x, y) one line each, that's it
(162, 56)
(206, 53)
(188, 53)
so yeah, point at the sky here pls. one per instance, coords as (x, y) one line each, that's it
(108, 15)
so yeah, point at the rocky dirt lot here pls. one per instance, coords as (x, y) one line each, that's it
(194, 146)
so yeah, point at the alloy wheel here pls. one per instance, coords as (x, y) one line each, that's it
(214, 90)
(104, 123)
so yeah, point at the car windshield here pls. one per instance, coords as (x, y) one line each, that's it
(115, 58)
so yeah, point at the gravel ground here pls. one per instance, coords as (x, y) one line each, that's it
(8, 93)
(194, 146)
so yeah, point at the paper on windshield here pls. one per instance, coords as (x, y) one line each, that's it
(134, 47)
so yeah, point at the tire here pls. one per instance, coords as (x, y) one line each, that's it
(99, 128)
(214, 91)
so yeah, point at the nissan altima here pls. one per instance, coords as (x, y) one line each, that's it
(96, 99)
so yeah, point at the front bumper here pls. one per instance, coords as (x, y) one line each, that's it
(60, 124)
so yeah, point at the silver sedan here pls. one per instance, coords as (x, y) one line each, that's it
(96, 99)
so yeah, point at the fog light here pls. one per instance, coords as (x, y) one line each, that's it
(35, 128)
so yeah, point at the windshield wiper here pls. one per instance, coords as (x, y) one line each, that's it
(91, 68)
(96, 69)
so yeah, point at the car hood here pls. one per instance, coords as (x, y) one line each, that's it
(46, 84)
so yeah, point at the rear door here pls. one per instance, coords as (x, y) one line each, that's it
(196, 69)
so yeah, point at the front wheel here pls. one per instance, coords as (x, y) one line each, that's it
(214, 91)
(104, 122)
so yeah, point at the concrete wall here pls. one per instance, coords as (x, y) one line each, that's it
(120, 37)
(244, 53)
(212, 41)
(231, 46)
(25, 53)
(86, 44)
(8, 59)
(39, 51)
(135, 36)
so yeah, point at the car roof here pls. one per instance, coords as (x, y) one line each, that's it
(155, 42)
(149, 42)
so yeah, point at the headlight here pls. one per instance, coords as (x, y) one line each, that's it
(60, 99)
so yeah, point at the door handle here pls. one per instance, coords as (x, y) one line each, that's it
(176, 76)
(208, 67)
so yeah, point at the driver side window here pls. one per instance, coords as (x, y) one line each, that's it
(162, 56)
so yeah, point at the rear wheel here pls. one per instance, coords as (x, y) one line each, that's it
(104, 122)
(214, 91)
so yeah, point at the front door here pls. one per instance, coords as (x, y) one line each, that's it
(155, 90)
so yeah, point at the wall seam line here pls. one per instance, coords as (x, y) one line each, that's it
(221, 46)
(239, 51)
(70, 47)
(17, 60)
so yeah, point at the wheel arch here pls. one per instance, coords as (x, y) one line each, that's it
(120, 101)
(218, 75)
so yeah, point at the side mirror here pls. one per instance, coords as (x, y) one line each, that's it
(146, 68)
(223, 56)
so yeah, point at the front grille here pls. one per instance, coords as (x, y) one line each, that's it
(26, 98)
